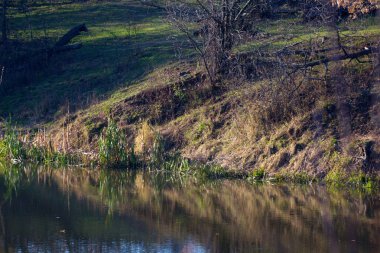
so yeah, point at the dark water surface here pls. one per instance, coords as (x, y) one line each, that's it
(77, 210)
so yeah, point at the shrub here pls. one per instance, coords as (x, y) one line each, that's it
(113, 149)
(11, 147)
(258, 174)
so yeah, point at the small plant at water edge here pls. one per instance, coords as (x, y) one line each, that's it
(258, 174)
(11, 147)
(113, 149)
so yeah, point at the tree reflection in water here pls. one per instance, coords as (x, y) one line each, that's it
(101, 210)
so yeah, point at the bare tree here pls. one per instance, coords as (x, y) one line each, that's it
(220, 25)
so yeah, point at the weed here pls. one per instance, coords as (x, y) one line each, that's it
(14, 150)
(211, 171)
(113, 149)
(11, 146)
(178, 164)
(355, 179)
(145, 139)
(258, 174)
(179, 93)
(157, 155)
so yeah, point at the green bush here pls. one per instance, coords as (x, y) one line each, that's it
(113, 149)
(258, 174)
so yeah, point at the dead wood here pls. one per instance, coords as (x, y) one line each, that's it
(352, 56)
(62, 44)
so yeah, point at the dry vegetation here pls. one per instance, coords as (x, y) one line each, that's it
(290, 102)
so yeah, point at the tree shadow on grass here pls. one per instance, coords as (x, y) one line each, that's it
(112, 57)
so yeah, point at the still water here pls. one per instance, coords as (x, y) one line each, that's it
(78, 210)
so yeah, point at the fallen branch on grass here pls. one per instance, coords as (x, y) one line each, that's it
(353, 56)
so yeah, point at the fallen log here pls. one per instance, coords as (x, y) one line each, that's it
(62, 44)
(309, 52)
(366, 51)
(75, 31)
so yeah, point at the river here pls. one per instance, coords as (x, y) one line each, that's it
(80, 210)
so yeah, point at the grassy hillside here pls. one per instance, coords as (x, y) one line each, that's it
(130, 69)
(125, 41)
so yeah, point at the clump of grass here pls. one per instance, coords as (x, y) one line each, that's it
(335, 177)
(180, 168)
(157, 156)
(354, 179)
(361, 179)
(338, 174)
(258, 175)
(150, 145)
(145, 139)
(113, 149)
(15, 150)
(302, 178)
(177, 165)
(11, 147)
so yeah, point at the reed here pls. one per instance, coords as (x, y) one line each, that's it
(15, 148)
(114, 151)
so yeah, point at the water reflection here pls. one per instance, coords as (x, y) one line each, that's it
(91, 210)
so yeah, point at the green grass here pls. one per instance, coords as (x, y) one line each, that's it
(114, 151)
(286, 32)
(14, 150)
(125, 42)
(258, 175)
(11, 147)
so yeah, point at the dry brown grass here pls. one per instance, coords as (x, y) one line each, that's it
(279, 127)
(144, 139)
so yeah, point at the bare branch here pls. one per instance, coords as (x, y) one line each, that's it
(243, 9)
(366, 51)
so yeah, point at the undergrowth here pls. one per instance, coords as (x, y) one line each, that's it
(15, 150)
(114, 152)
(356, 179)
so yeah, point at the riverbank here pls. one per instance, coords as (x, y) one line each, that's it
(166, 111)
